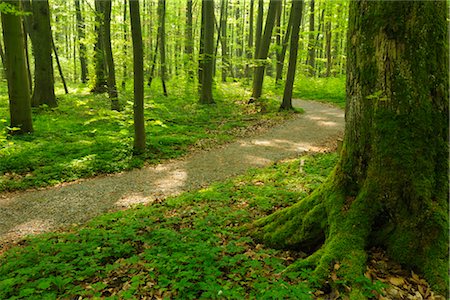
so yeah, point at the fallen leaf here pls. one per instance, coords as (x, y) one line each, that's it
(396, 280)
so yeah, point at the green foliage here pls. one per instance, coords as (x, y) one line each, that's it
(189, 247)
(82, 137)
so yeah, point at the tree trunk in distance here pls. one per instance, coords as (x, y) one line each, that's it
(280, 62)
(41, 40)
(189, 42)
(100, 84)
(250, 38)
(162, 42)
(296, 13)
(206, 96)
(390, 186)
(223, 39)
(16, 69)
(138, 71)
(2, 56)
(111, 79)
(125, 47)
(328, 47)
(82, 46)
(66, 90)
(263, 51)
(201, 50)
(311, 41)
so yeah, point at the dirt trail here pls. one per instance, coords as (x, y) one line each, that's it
(31, 212)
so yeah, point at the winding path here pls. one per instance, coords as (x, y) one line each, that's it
(31, 212)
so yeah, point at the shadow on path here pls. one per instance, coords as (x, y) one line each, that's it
(31, 212)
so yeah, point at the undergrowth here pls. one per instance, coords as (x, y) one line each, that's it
(193, 246)
(82, 137)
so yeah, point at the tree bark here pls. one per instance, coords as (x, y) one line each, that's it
(263, 50)
(41, 38)
(82, 46)
(100, 83)
(311, 41)
(111, 79)
(162, 42)
(223, 39)
(189, 42)
(125, 47)
(138, 72)
(390, 186)
(287, 35)
(16, 69)
(296, 13)
(206, 96)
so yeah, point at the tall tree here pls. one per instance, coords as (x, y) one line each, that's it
(263, 50)
(390, 186)
(162, 42)
(100, 83)
(189, 41)
(38, 27)
(111, 79)
(81, 36)
(282, 53)
(206, 96)
(16, 69)
(223, 39)
(125, 45)
(311, 41)
(296, 14)
(138, 71)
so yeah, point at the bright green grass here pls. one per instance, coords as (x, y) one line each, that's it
(189, 247)
(82, 137)
(331, 90)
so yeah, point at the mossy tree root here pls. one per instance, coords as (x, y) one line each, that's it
(336, 230)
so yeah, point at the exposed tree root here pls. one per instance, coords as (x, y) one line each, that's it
(336, 230)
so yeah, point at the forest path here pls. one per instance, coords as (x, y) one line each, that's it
(36, 211)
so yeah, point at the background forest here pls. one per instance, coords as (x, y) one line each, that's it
(79, 134)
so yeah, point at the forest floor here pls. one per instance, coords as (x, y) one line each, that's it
(35, 211)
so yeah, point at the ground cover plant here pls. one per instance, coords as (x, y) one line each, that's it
(194, 246)
(83, 137)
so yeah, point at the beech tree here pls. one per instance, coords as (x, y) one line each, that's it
(100, 83)
(111, 79)
(390, 186)
(38, 27)
(206, 96)
(82, 46)
(296, 18)
(16, 70)
(138, 72)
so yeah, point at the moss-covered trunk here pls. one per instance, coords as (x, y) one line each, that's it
(390, 186)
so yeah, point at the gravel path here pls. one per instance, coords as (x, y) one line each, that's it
(31, 212)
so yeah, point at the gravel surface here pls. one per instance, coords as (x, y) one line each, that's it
(36, 211)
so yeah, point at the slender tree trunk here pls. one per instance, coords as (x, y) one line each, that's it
(258, 77)
(41, 36)
(250, 38)
(328, 47)
(296, 13)
(152, 70)
(259, 26)
(125, 46)
(66, 90)
(16, 68)
(311, 41)
(206, 96)
(82, 46)
(162, 42)
(138, 71)
(224, 45)
(27, 57)
(111, 79)
(390, 186)
(287, 35)
(189, 42)
(100, 83)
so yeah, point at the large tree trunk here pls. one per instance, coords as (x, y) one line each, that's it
(296, 17)
(206, 96)
(390, 187)
(38, 24)
(16, 70)
(138, 71)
